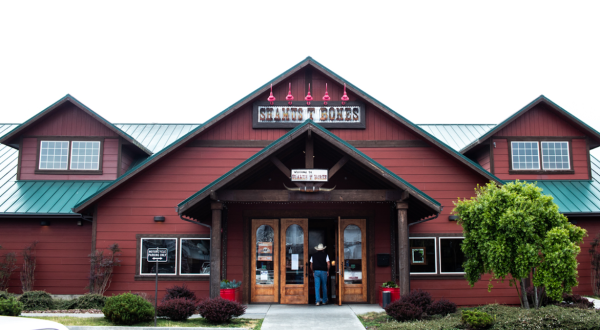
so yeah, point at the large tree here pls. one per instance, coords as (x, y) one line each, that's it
(515, 229)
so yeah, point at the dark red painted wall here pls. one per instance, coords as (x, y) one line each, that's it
(126, 159)
(484, 160)
(109, 163)
(580, 163)
(62, 253)
(68, 120)
(540, 121)
(592, 225)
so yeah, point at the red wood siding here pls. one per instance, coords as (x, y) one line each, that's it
(129, 210)
(126, 159)
(62, 253)
(540, 121)
(592, 225)
(68, 120)
(238, 126)
(580, 163)
(484, 160)
(109, 163)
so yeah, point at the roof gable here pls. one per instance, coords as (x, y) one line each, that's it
(318, 130)
(33, 123)
(328, 73)
(505, 127)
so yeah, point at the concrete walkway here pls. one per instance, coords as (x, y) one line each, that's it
(292, 317)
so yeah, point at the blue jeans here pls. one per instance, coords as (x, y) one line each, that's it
(321, 278)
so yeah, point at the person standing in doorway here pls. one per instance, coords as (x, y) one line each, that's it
(319, 264)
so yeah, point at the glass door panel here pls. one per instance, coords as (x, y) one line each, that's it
(294, 270)
(265, 260)
(353, 260)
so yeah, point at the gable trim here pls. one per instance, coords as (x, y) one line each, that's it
(68, 98)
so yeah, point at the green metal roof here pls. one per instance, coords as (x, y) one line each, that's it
(156, 137)
(287, 136)
(457, 136)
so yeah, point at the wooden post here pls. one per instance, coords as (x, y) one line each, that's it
(215, 250)
(403, 248)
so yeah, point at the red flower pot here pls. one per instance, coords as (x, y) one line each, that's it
(394, 291)
(231, 294)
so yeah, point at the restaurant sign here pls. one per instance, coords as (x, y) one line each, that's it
(332, 115)
(310, 175)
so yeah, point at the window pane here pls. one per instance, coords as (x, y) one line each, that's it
(555, 155)
(84, 155)
(525, 156)
(422, 255)
(352, 255)
(195, 256)
(451, 256)
(265, 247)
(294, 255)
(149, 268)
(53, 155)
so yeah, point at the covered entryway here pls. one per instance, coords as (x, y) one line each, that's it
(277, 216)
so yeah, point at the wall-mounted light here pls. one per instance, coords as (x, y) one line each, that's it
(453, 217)
(159, 218)
(45, 223)
(79, 223)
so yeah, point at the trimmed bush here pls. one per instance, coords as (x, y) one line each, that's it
(10, 307)
(219, 310)
(91, 301)
(476, 319)
(177, 309)
(128, 309)
(36, 301)
(5, 295)
(576, 301)
(402, 310)
(63, 304)
(441, 307)
(419, 298)
(179, 292)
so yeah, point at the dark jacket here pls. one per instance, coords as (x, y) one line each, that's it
(319, 261)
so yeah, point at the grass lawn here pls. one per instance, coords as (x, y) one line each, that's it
(550, 317)
(253, 324)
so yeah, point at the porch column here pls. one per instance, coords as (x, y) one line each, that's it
(215, 250)
(403, 248)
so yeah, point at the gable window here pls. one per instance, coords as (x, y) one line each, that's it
(69, 155)
(85, 155)
(555, 155)
(525, 155)
(54, 155)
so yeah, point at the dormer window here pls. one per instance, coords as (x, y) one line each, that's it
(70, 156)
(540, 156)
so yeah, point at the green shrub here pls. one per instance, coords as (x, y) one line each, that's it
(10, 307)
(62, 304)
(128, 309)
(5, 295)
(177, 309)
(227, 284)
(476, 319)
(91, 301)
(36, 301)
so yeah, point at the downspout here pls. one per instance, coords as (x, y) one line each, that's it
(210, 276)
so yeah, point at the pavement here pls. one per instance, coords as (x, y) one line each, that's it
(289, 317)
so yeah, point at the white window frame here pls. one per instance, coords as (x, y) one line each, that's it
(555, 169)
(71, 156)
(180, 255)
(39, 166)
(512, 150)
(435, 249)
(142, 256)
(440, 252)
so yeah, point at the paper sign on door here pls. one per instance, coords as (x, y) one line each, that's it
(294, 262)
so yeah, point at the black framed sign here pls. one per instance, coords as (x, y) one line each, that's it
(332, 115)
(158, 255)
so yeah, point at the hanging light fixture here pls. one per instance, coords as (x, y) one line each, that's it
(308, 98)
(271, 98)
(345, 97)
(290, 97)
(326, 97)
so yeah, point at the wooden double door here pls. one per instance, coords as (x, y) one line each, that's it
(280, 267)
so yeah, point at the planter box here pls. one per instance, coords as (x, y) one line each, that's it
(232, 294)
(395, 294)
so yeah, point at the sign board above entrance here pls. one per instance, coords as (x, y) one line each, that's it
(310, 175)
(332, 115)
(158, 255)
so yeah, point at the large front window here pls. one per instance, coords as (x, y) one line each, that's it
(187, 256)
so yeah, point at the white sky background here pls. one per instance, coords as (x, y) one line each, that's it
(183, 62)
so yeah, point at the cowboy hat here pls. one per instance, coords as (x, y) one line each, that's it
(320, 247)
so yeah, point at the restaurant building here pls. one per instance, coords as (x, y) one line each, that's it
(307, 158)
